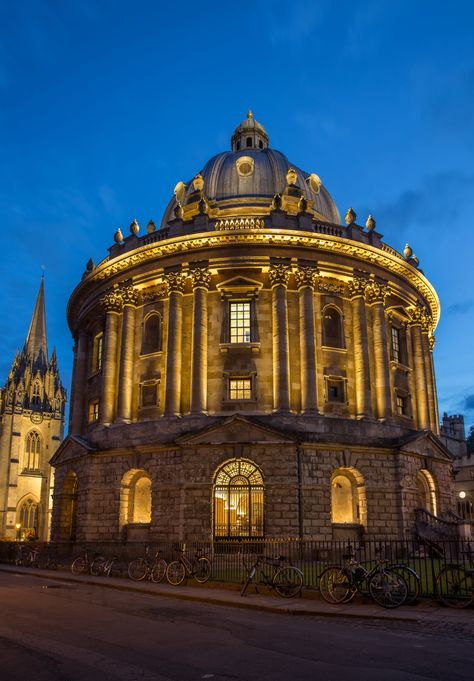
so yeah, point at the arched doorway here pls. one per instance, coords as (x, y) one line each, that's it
(426, 491)
(238, 500)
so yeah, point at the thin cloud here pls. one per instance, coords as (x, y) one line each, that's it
(469, 403)
(460, 308)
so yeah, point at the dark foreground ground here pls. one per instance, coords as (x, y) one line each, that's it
(52, 630)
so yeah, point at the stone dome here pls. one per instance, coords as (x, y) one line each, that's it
(250, 176)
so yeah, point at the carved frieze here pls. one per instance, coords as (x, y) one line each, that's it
(331, 285)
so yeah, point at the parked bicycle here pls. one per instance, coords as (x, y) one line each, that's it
(199, 568)
(287, 580)
(455, 584)
(84, 563)
(386, 586)
(101, 566)
(147, 567)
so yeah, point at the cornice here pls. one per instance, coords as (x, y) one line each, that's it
(388, 260)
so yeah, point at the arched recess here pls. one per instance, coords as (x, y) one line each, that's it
(135, 498)
(427, 491)
(152, 333)
(32, 453)
(333, 327)
(238, 500)
(68, 508)
(28, 516)
(348, 497)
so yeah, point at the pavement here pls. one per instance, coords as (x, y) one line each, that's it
(228, 595)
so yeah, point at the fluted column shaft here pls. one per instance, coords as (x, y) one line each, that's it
(376, 295)
(281, 364)
(109, 368)
(360, 349)
(127, 353)
(420, 377)
(201, 281)
(79, 385)
(309, 396)
(174, 348)
(432, 393)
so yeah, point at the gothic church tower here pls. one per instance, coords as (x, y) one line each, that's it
(31, 428)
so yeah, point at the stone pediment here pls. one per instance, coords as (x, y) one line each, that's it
(239, 283)
(235, 429)
(426, 444)
(70, 448)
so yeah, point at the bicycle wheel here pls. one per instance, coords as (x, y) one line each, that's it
(137, 569)
(288, 581)
(202, 570)
(388, 588)
(250, 576)
(412, 580)
(175, 573)
(79, 566)
(97, 566)
(455, 587)
(159, 570)
(335, 586)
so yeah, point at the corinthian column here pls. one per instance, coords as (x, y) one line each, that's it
(113, 303)
(279, 275)
(360, 347)
(201, 281)
(79, 384)
(305, 279)
(376, 293)
(127, 352)
(176, 282)
(432, 393)
(418, 322)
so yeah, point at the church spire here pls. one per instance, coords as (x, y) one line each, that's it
(36, 345)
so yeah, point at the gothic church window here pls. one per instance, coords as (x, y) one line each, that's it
(238, 500)
(28, 519)
(36, 395)
(32, 451)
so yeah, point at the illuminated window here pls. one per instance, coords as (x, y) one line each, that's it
(135, 498)
(240, 389)
(149, 394)
(333, 330)
(348, 499)
(97, 348)
(401, 405)
(32, 451)
(240, 322)
(239, 500)
(93, 411)
(151, 337)
(36, 396)
(28, 518)
(395, 344)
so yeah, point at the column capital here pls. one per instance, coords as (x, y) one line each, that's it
(357, 287)
(419, 315)
(432, 341)
(306, 276)
(376, 292)
(279, 274)
(176, 281)
(201, 277)
(112, 300)
(130, 295)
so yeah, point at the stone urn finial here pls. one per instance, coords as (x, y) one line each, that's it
(350, 216)
(407, 251)
(134, 227)
(291, 176)
(118, 236)
(370, 224)
(198, 183)
(150, 228)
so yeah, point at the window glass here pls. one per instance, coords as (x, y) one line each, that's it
(240, 388)
(333, 335)
(239, 500)
(151, 339)
(240, 328)
(93, 411)
(97, 352)
(395, 344)
(32, 451)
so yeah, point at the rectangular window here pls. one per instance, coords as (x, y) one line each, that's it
(240, 326)
(240, 388)
(401, 405)
(149, 394)
(335, 390)
(97, 352)
(93, 411)
(395, 344)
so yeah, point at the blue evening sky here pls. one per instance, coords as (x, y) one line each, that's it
(105, 105)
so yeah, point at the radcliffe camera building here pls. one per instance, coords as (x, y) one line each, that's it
(251, 368)
(31, 427)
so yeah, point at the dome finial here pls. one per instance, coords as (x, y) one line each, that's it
(249, 114)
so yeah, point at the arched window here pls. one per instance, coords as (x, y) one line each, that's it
(32, 456)
(426, 491)
(68, 508)
(135, 498)
(151, 336)
(333, 329)
(36, 395)
(28, 519)
(238, 500)
(249, 141)
(348, 501)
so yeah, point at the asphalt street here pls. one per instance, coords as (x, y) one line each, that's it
(54, 630)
